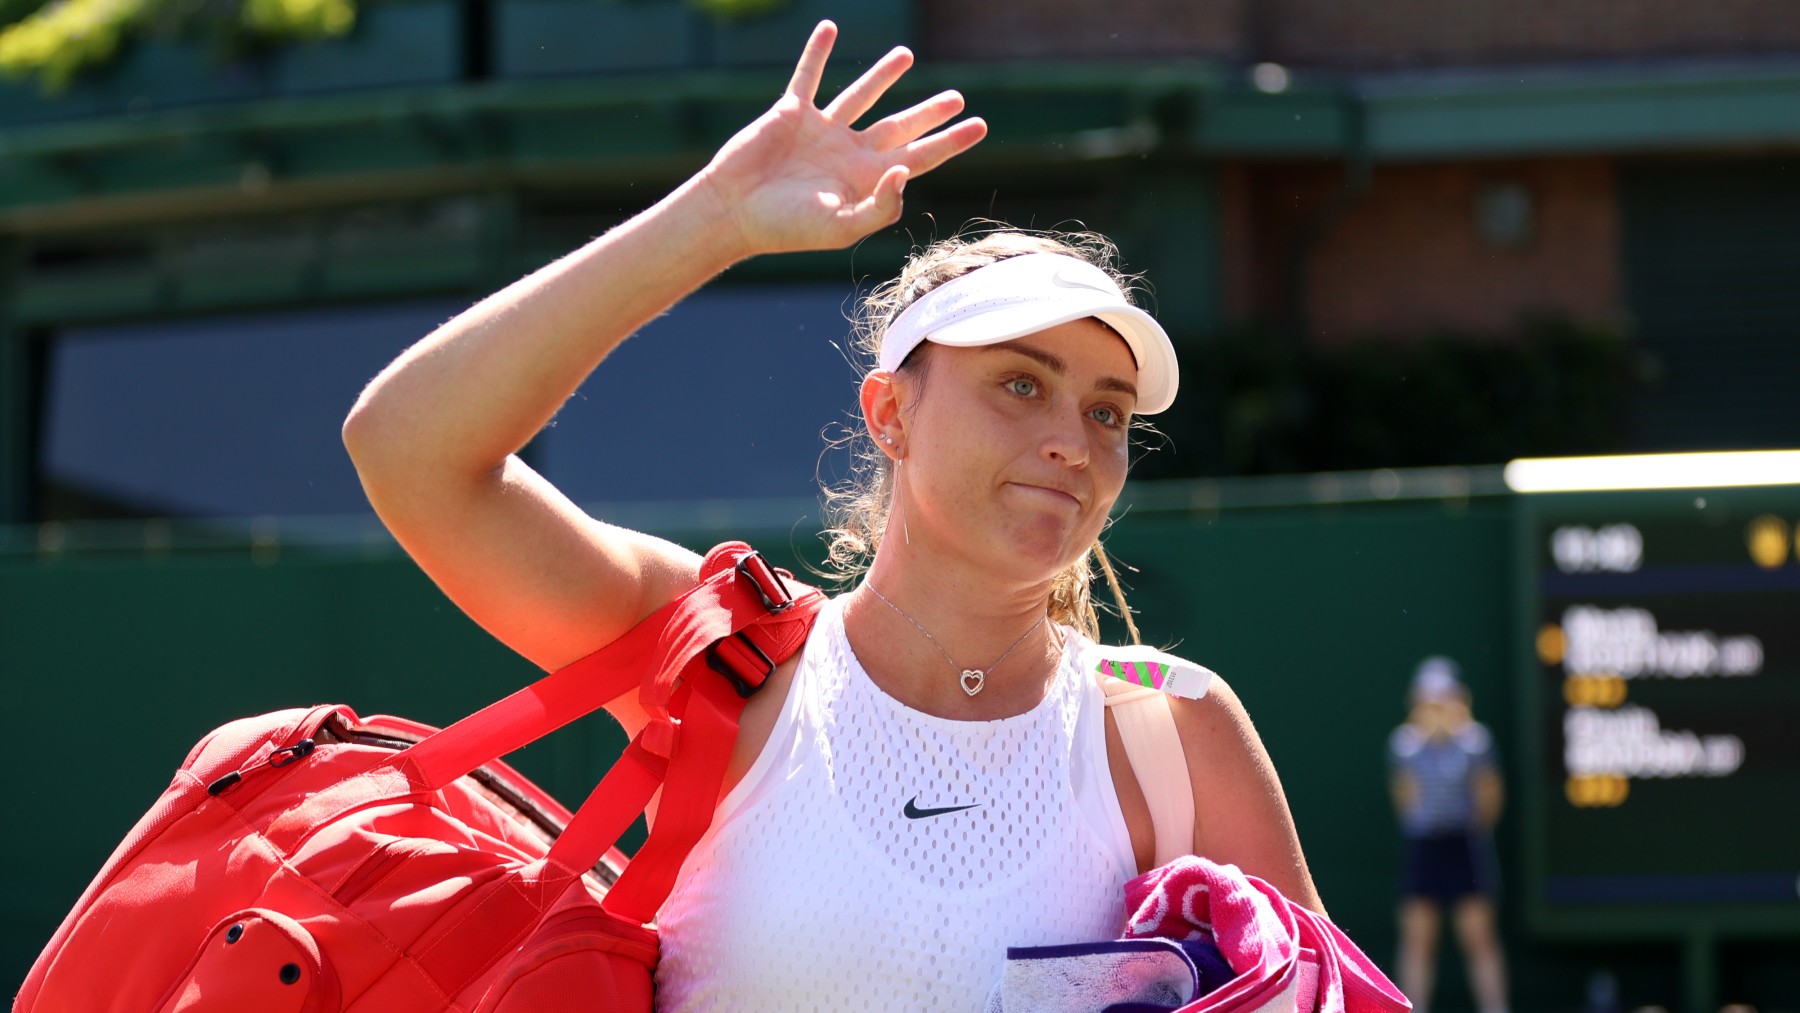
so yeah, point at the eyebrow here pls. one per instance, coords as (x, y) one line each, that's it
(1055, 364)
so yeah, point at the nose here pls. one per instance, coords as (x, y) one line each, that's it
(1066, 440)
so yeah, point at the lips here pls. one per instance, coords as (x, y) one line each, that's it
(1050, 492)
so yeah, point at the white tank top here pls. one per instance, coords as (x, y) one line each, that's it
(876, 857)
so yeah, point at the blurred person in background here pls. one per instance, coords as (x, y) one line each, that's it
(1447, 790)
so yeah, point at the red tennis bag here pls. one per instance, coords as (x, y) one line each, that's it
(312, 860)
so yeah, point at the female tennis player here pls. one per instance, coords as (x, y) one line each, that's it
(934, 778)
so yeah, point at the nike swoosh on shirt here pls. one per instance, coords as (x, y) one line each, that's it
(913, 812)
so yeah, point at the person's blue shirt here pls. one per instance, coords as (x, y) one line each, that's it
(1444, 770)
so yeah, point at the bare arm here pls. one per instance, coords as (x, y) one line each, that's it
(1404, 788)
(1241, 814)
(434, 436)
(1490, 795)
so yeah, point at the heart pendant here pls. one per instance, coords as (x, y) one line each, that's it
(972, 679)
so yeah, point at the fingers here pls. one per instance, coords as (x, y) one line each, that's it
(911, 124)
(882, 207)
(865, 91)
(811, 68)
(889, 188)
(926, 154)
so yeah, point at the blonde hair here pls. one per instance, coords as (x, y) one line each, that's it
(856, 511)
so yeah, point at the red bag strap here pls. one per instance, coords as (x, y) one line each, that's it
(657, 652)
(688, 742)
(695, 662)
(695, 774)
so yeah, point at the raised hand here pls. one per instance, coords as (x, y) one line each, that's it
(804, 178)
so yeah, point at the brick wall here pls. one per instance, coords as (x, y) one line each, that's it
(1404, 256)
(1026, 29)
(1358, 33)
(1401, 33)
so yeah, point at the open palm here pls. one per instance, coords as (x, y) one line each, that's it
(803, 178)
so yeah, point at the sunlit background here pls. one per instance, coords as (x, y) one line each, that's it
(1398, 243)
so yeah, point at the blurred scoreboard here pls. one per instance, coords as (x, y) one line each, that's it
(1662, 721)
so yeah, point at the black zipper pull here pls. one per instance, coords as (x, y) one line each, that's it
(278, 758)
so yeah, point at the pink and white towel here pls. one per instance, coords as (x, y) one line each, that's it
(1284, 956)
(1267, 954)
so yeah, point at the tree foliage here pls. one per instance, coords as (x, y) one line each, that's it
(55, 42)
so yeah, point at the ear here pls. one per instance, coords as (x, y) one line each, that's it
(882, 396)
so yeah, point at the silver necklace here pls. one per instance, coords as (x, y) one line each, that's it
(972, 678)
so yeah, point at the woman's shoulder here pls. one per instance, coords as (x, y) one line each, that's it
(1406, 741)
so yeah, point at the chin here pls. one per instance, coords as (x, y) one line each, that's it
(1045, 554)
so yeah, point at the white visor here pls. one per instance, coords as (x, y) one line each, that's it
(1028, 293)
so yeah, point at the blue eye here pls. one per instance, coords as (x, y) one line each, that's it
(1108, 416)
(1022, 386)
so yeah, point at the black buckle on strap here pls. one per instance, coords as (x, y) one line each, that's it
(746, 653)
(737, 657)
(767, 581)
